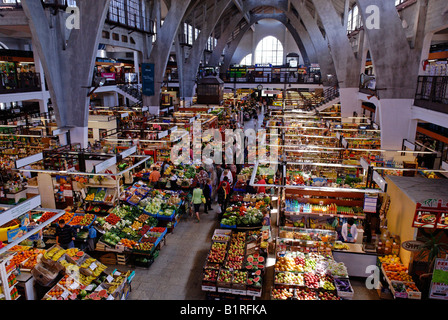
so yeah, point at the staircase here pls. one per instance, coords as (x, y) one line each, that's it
(329, 98)
(131, 91)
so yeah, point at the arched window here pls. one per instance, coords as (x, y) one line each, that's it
(269, 50)
(354, 21)
(247, 60)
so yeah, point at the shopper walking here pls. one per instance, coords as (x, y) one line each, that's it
(65, 235)
(197, 201)
(207, 191)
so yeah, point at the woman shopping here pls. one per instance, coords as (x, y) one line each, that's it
(197, 200)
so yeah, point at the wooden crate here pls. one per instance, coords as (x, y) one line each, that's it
(122, 259)
(108, 258)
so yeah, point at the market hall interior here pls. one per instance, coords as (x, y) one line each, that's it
(223, 149)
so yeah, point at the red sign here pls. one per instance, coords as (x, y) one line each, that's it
(430, 216)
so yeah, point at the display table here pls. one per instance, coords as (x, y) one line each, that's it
(17, 195)
(356, 259)
(26, 283)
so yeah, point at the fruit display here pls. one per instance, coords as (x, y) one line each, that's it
(55, 253)
(210, 275)
(305, 294)
(143, 246)
(82, 220)
(289, 278)
(68, 215)
(311, 280)
(91, 195)
(327, 296)
(225, 276)
(232, 266)
(46, 216)
(282, 293)
(239, 277)
(112, 218)
(100, 195)
(389, 259)
(399, 276)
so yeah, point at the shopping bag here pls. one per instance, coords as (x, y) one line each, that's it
(203, 199)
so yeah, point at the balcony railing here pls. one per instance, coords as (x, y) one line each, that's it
(432, 93)
(20, 82)
(266, 78)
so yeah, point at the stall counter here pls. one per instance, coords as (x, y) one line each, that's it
(356, 259)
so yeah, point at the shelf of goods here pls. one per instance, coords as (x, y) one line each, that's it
(235, 264)
(8, 277)
(72, 274)
(319, 209)
(325, 175)
(19, 229)
(305, 269)
(101, 195)
(397, 277)
(246, 211)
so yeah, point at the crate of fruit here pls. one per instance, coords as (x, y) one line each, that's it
(239, 280)
(209, 278)
(82, 220)
(412, 291)
(91, 193)
(143, 247)
(225, 277)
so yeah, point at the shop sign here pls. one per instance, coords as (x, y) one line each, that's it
(412, 245)
(28, 160)
(110, 76)
(105, 164)
(148, 79)
(379, 180)
(19, 210)
(439, 283)
(128, 152)
(364, 164)
(431, 214)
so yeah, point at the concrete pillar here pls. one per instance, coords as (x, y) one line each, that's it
(161, 50)
(347, 65)
(395, 122)
(191, 66)
(350, 102)
(43, 104)
(137, 64)
(68, 58)
(320, 45)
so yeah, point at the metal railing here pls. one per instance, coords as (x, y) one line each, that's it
(269, 78)
(432, 93)
(19, 82)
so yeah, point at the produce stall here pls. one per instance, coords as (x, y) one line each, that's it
(235, 265)
(305, 268)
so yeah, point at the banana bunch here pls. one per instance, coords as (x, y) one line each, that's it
(88, 262)
(168, 171)
(50, 253)
(116, 283)
(98, 270)
(58, 254)
(86, 280)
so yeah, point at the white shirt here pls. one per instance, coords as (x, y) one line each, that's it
(229, 176)
(353, 231)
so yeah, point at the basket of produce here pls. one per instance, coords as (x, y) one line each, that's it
(225, 278)
(100, 195)
(344, 288)
(282, 293)
(166, 214)
(83, 220)
(91, 194)
(143, 247)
